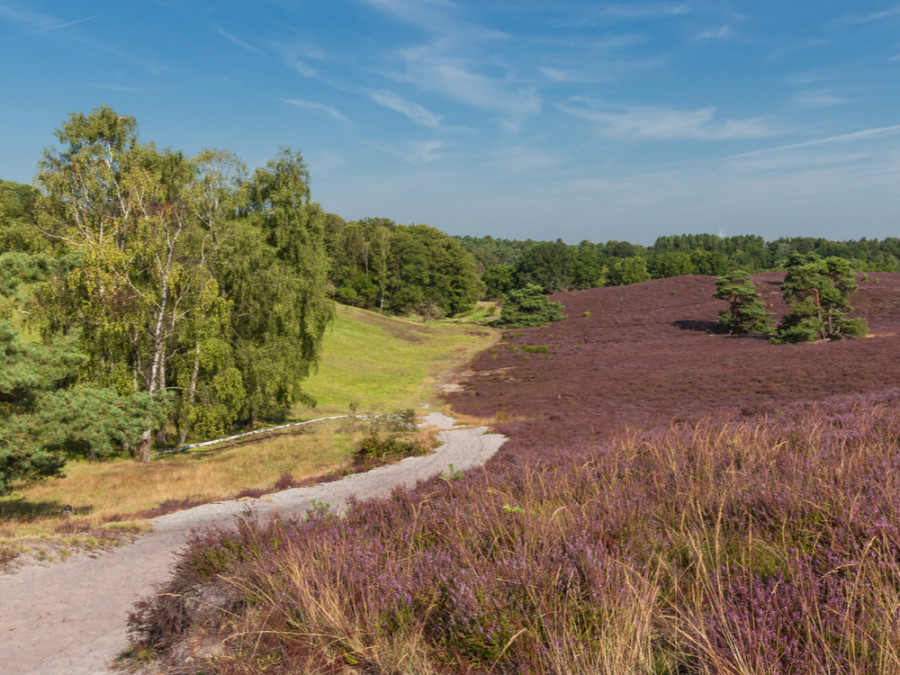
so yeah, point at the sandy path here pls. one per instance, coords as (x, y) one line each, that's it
(69, 618)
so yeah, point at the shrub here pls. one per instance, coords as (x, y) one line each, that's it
(378, 449)
(528, 307)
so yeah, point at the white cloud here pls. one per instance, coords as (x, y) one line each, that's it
(668, 123)
(419, 153)
(422, 152)
(39, 23)
(524, 158)
(719, 34)
(557, 75)
(630, 11)
(240, 43)
(298, 65)
(413, 111)
(319, 107)
(869, 18)
(451, 78)
(862, 135)
(819, 99)
(454, 64)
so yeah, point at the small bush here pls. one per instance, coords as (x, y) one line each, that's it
(377, 449)
(528, 307)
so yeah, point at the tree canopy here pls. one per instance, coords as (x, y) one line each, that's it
(45, 413)
(195, 278)
(819, 292)
(746, 313)
(378, 264)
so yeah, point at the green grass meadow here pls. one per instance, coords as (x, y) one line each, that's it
(371, 362)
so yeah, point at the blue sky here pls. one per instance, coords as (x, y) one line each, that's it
(514, 118)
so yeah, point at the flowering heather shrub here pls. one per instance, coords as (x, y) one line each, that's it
(766, 544)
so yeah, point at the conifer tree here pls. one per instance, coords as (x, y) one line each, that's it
(44, 414)
(746, 313)
(819, 293)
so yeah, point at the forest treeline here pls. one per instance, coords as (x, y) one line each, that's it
(506, 264)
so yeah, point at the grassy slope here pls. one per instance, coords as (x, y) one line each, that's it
(378, 362)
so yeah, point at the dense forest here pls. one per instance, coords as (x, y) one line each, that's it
(505, 264)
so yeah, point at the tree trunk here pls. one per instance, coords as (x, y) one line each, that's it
(191, 393)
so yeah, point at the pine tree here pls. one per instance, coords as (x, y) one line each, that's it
(44, 414)
(819, 293)
(746, 313)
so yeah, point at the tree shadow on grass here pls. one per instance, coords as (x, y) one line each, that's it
(23, 511)
(699, 326)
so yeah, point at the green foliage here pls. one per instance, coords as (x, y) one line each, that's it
(377, 264)
(44, 413)
(626, 271)
(671, 264)
(528, 307)
(17, 218)
(588, 270)
(376, 448)
(679, 254)
(498, 281)
(818, 291)
(746, 313)
(194, 278)
(281, 309)
(549, 265)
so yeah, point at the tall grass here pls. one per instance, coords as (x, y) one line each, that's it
(757, 545)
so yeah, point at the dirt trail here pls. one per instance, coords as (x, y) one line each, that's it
(69, 618)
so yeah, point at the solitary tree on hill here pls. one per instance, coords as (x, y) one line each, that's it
(746, 313)
(819, 293)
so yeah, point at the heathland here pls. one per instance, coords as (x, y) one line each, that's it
(671, 500)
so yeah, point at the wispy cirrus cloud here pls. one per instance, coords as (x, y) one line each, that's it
(630, 11)
(432, 70)
(645, 10)
(297, 54)
(861, 135)
(819, 99)
(317, 107)
(416, 152)
(437, 16)
(894, 12)
(650, 122)
(722, 33)
(236, 40)
(36, 23)
(413, 111)
(459, 62)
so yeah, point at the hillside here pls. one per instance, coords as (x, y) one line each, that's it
(648, 355)
(616, 532)
(375, 362)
